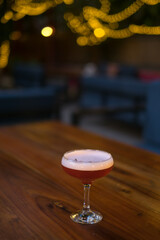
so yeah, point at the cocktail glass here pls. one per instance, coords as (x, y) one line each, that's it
(87, 165)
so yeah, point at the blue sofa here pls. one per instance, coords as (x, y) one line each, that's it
(29, 104)
(28, 75)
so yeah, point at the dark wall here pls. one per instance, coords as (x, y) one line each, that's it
(62, 49)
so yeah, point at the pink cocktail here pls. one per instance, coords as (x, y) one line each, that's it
(87, 165)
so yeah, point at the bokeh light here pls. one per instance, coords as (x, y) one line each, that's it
(82, 41)
(68, 2)
(99, 32)
(47, 31)
(4, 53)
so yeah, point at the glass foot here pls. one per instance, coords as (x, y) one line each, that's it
(86, 217)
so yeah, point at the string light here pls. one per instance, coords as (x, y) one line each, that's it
(93, 25)
(29, 7)
(82, 41)
(105, 6)
(17, 16)
(144, 30)
(101, 25)
(99, 32)
(151, 2)
(7, 16)
(89, 12)
(4, 53)
(68, 2)
(19, 9)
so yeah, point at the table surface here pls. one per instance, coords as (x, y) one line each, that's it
(37, 197)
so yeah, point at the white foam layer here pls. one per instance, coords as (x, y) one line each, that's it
(87, 160)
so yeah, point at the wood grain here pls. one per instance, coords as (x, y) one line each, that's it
(37, 197)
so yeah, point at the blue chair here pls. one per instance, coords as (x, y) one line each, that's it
(151, 131)
(111, 93)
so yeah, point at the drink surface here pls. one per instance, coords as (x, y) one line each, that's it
(87, 160)
(87, 165)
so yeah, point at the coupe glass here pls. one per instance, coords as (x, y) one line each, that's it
(87, 165)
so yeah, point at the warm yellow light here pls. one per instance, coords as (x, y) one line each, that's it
(4, 54)
(47, 31)
(30, 7)
(94, 23)
(17, 16)
(93, 39)
(68, 16)
(98, 24)
(145, 29)
(114, 25)
(105, 5)
(8, 15)
(82, 41)
(151, 2)
(75, 22)
(68, 2)
(99, 32)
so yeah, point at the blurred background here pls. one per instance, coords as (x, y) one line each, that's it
(94, 64)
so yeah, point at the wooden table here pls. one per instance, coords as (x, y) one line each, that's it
(37, 197)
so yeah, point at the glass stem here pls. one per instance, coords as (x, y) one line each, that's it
(86, 203)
